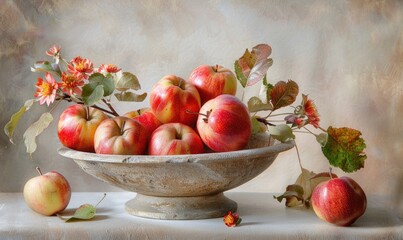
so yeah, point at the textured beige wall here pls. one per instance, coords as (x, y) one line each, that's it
(347, 55)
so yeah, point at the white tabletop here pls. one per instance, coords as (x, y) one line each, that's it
(262, 218)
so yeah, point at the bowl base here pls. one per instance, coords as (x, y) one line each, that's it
(185, 208)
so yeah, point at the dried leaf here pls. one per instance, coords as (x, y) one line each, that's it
(15, 119)
(344, 149)
(283, 94)
(294, 195)
(127, 81)
(259, 71)
(281, 132)
(322, 139)
(255, 104)
(34, 130)
(130, 96)
(304, 180)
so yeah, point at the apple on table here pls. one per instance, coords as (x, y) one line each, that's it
(47, 193)
(175, 139)
(212, 81)
(224, 124)
(340, 201)
(77, 125)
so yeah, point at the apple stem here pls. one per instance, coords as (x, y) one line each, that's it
(215, 68)
(87, 112)
(101, 200)
(330, 173)
(206, 115)
(39, 171)
(123, 127)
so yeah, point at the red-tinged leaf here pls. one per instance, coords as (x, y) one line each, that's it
(344, 149)
(283, 94)
(253, 66)
(261, 51)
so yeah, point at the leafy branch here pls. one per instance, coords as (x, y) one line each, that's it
(343, 147)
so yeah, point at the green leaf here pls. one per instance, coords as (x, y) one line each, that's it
(240, 75)
(92, 93)
(127, 81)
(322, 139)
(46, 66)
(84, 212)
(15, 119)
(34, 130)
(283, 94)
(255, 104)
(130, 96)
(98, 79)
(281, 132)
(257, 126)
(344, 149)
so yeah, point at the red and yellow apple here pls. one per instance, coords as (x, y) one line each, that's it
(47, 193)
(172, 98)
(146, 117)
(212, 81)
(340, 201)
(77, 125)
(175, 139)
(120, 135)
(224, 124)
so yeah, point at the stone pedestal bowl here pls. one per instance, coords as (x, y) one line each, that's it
(181, 186)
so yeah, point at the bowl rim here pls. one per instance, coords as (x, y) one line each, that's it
(276, 148)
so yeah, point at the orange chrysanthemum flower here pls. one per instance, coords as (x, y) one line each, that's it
(311, 111)
(232, 219)
(54, 51)
(46, 90)
(71, 83)
(81, 66)
(108, 68)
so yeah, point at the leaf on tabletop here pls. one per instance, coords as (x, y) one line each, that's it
(127, 81)
(34, 130)
(304, 180)
(281, 132)
(255, 104)
(344, 149)
(130, 96)
(294, 195)
(84, 212)
(283, 94)
(15, 119)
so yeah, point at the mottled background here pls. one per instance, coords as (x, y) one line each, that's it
(347, 55)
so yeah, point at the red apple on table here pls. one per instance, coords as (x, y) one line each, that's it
(224, 124)
(212, 81)
(47, 193)
(146, 117)
(120, 135)
(175, 139)
(172, 97)
(77, 125)
(340, 201)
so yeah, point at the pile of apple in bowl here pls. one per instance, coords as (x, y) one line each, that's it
(180, 155)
